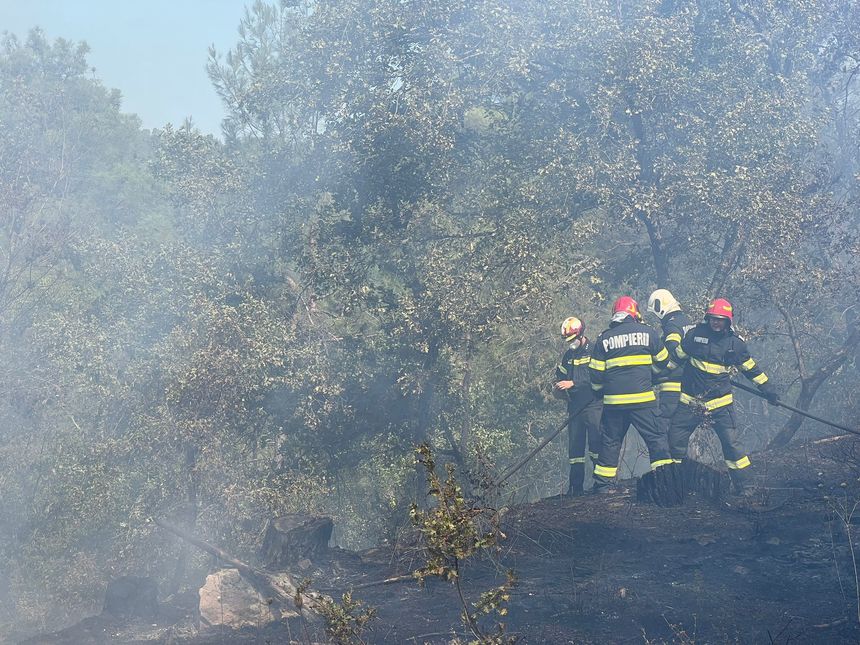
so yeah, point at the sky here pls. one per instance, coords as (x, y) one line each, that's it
(153, 51)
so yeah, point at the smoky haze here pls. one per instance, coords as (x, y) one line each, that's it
(402, 203)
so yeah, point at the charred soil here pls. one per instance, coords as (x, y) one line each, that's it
(775, 568)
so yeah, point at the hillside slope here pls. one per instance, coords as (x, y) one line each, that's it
(606, 568)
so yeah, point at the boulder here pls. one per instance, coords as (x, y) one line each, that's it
(227, 599)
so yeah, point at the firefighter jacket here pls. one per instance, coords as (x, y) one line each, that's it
(622, 363)
(574, 367)
(709, 357)
(675, 325)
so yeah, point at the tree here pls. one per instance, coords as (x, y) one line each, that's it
(71, 166)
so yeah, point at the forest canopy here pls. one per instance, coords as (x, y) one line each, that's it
(407, 200)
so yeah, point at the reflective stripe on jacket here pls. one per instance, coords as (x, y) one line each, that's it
(574, 367)
(710, 357)
(675, 325)
(622, 363)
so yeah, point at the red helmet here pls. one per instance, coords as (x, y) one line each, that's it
(572, 328)
(625, 306)
(720, 308)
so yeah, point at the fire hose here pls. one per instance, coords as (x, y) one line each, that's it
(751, 390)
(580, 401)
(585, 398)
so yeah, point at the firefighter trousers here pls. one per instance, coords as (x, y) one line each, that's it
(614, 424)
(585, 425)
(687, 418)
(669, 402)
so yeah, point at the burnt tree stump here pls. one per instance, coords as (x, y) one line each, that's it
(292, 538)
(669, 485)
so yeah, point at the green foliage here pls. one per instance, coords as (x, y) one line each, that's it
(346, 620)
(453, 531)
(72, 167)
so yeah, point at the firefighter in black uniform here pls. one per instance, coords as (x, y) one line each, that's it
(709, 351)
(622, 363)
(573, 381)
(675, 324)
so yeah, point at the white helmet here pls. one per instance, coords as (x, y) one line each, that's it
(662, 302)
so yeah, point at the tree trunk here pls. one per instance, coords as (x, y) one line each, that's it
(808, 388)
(733, 246)
(658, 250)
(809, 384)
(427, 398)
(459, 448)
(191, 512)
(466, 427)
(644, 157)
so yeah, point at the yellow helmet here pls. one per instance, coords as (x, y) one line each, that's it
(572, 328)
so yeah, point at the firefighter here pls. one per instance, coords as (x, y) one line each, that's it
(622, 363)
(675, 324)
(709, 351)
(573, 382)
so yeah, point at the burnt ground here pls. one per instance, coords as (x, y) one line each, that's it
(609, 569)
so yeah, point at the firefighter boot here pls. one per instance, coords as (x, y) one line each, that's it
(740, 482)
(602, 485)
(577, 477)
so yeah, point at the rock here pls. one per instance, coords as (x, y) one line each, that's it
(131, 596)
(293, 538)
(228, 600)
